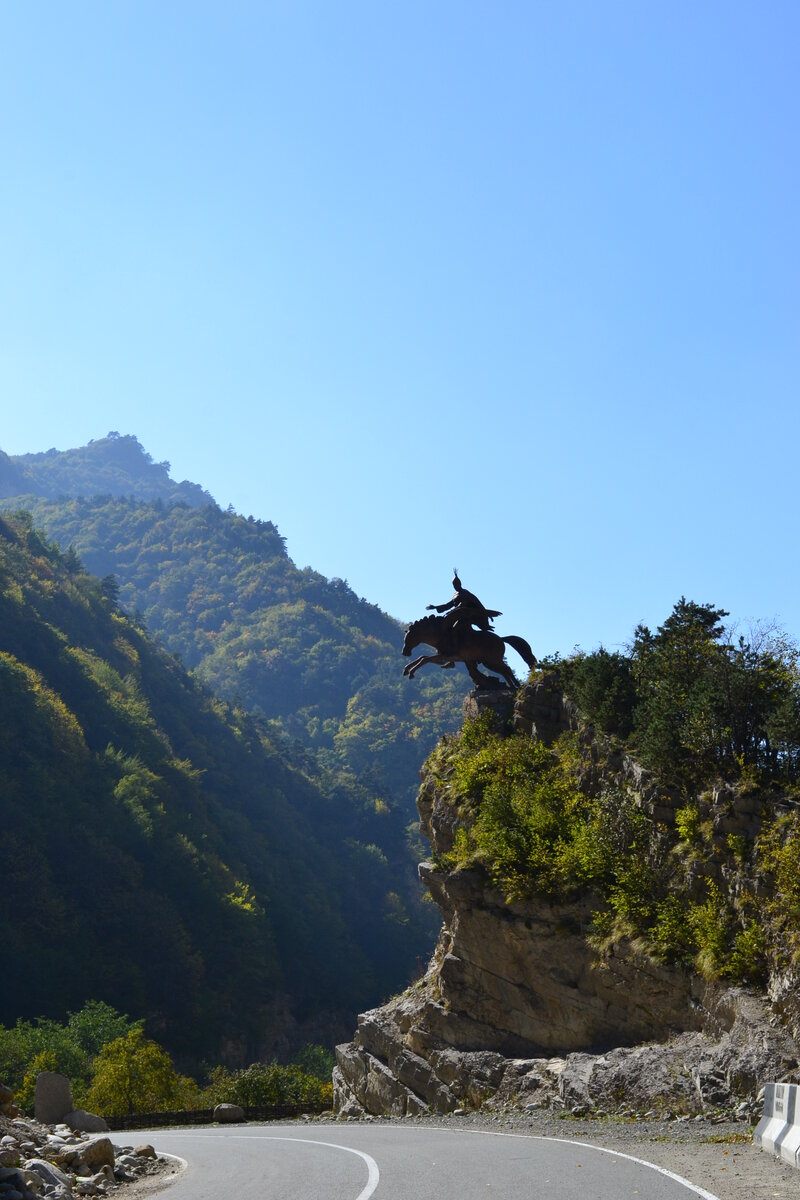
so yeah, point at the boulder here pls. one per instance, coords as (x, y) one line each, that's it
(228, 1113)
(7, 1106)
(49, 1173)
(12, 1182)
(144, 1151)
(85, 1122)
(53, 1098)
(98, 1152)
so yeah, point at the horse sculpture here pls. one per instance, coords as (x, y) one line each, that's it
(472, 646)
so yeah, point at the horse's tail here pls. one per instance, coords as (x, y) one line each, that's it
(522, 648)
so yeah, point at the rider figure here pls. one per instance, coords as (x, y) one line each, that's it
(463, 611)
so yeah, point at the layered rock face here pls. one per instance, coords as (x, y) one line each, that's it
(516, 1007)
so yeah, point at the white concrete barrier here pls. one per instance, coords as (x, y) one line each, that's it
(778, 1131)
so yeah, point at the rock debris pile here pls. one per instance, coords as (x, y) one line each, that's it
(55, 1161)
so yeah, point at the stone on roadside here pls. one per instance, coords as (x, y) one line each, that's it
(228, 1113)
(48, 1172)
(53, 1098)
(98, 1152)
(144, 1151)
(85, 1122)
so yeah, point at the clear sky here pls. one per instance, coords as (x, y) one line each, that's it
(512, 286)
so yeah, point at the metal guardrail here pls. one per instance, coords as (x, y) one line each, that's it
(205, 1116)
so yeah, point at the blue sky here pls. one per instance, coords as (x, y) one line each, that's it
(512, 287)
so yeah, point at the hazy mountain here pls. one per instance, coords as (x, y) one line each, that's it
(114, 466)
(305, 652)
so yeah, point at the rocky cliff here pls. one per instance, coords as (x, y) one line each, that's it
(523, 1004)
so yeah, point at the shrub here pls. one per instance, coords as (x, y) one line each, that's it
(529, 826)
(135, 1075)
(604, 688)
(265, 1084)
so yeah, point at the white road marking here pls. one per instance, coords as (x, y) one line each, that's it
(687, 1183)
(374, 1174)
(372, 1167)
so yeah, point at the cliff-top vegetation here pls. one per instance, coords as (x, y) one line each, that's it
(708, 875)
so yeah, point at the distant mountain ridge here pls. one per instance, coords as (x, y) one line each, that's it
(303, 651)
(114, 465)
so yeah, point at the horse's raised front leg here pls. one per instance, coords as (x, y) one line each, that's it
(413, 667)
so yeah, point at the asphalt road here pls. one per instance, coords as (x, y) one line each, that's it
(357, 1162)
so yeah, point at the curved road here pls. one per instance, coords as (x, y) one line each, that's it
(395, 1162)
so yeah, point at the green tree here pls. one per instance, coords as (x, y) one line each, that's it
(316, 1060)
(97, 1024)
(604, 688)
(135, 1075)
(707, 706)
(676, 673)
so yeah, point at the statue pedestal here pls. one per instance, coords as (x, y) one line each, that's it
(499, 700)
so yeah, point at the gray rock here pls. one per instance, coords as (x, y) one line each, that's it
(53, 1097)
(12, 1176)
(228, 1113)
(98, 1152)
(85, 1121)
(49, 1173)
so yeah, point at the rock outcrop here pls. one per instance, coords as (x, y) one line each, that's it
(516, 1007)
(53, 1105)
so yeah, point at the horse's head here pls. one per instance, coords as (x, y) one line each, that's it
(408, 645)
(415, 633)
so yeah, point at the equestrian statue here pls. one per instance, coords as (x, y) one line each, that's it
(465, 635)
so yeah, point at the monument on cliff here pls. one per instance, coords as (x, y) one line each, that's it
(465, 634)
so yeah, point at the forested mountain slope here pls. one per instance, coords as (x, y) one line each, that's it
(303, 651)
(157, 851)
